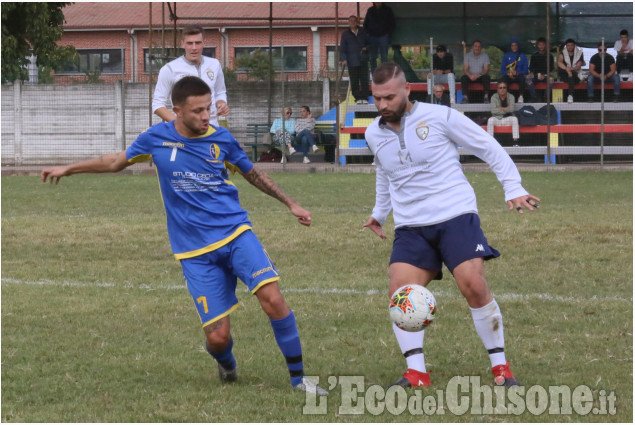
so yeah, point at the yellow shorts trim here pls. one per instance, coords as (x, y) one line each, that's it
(242, 229)
(264, 282)
(220, 316)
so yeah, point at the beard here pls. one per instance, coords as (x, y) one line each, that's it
(191, 126)
(396, 115)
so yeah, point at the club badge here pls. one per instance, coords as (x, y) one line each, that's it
(210, 73)
(214, 151)
(422, 130)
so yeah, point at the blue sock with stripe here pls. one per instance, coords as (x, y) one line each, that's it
(225, 358)
(286, 332)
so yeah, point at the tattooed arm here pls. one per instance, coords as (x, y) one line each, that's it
(264, 183)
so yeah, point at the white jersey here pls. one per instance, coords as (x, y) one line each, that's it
(209, 71)
(419, 175)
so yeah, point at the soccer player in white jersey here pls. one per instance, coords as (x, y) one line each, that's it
(192, 63)
(420, 178)
(210, 233)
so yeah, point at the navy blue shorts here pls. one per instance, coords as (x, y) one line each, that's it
(451, 242)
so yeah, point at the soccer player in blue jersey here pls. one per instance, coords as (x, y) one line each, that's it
(209, 232)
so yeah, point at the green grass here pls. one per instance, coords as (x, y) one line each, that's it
(97, 325)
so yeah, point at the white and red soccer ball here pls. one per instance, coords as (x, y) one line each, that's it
(412, 308)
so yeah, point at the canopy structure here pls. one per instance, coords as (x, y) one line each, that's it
(496, 23)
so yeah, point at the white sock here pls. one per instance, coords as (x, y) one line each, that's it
(488, 322)
(409, 342)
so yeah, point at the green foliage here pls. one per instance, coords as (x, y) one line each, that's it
(32, 28)
(256, 64)
(93, 77)
(91, 279)
(495, 59)
(230, 75)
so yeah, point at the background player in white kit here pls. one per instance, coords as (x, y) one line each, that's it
(420, 178)
(192, 63)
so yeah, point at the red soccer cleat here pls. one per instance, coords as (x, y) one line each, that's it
(413, 378)
(504, 376)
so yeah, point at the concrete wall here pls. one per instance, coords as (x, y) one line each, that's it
(49, 124)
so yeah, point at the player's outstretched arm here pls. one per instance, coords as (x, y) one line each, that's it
(265, 184)
(110, 163)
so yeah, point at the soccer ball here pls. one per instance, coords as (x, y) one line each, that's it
(412, 308)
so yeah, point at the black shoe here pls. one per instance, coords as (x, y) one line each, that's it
(227, 375)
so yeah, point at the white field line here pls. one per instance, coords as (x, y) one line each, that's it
(322, 291)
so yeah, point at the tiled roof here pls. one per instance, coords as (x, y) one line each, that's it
(103, 15)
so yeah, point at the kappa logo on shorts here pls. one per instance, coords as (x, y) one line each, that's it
(422, 130)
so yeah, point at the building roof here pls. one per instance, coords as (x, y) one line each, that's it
(110, 15)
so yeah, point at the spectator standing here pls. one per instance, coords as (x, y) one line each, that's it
(624, 49)
(503, 112)
(438, 96)
(305, 132)
(610, 74)
(476, 70)
(515, 67)
(379, 24)
(570, 61)
(354, 55)
(443, 71)
(538, 71)
(283, 132)
(192, 63)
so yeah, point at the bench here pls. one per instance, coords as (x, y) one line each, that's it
(541, 129)
(326, 136)
(626, 85)
(259, 133)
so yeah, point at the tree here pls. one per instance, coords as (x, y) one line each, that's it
(32, 28)
(256, 64)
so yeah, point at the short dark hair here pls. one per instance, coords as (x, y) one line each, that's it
(188, 86)
(569, 40)
(386, 72)
(541, 40)
(192, 29)
(477, 41)
(441, 48)
(624, 32)
(306, 108)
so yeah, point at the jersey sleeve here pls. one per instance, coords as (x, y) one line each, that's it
(236, 157)
(382, 195)
(474, 139)
(220, 91)
(140, 150)
(163, 89)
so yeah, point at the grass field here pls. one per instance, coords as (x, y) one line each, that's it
(97, 325)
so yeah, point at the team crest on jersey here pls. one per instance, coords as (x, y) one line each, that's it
(422, 130)
(210, 73)
(214, 151)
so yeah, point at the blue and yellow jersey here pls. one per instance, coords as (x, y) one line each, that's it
(202, 205)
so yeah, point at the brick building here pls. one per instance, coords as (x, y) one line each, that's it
(114, 38)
